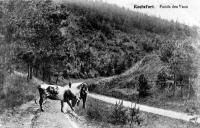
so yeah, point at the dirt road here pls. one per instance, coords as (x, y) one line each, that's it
(29, 116)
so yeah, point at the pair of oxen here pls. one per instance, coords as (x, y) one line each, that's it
(64, 94)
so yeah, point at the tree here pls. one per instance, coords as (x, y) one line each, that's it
(143, 87)
(182, 66)
(118, 115)
(161, 79)
(35, 25)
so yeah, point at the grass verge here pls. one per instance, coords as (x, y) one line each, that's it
(176, 103)
(15, 91)
(97, 115)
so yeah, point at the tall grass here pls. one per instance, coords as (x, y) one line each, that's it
(115, 115)
(15, 91)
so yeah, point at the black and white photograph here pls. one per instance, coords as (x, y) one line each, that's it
(99, 64)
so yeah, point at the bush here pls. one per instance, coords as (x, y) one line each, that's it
(109, 114)
(134, 116)
(2, 77)
(92, 87)
(161, 80)
(121, 115)
(143, 86)
(118, 115)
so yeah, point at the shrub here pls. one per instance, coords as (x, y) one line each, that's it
(134, 116)
(118, 115)
(143, 86)
(111, 114)
(92, 87)
(1, 78)
(161, 80)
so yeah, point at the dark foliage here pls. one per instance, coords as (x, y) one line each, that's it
(118, 115)
(2, 77)
(85, 40)
(143, 87)
(161, 80)
(134, 116)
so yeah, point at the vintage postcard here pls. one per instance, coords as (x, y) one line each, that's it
(99, 64)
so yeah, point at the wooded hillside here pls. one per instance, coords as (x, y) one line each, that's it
(89, 39)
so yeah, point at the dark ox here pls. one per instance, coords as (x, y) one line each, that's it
(64, 94)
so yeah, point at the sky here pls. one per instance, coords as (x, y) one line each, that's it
(189, 16)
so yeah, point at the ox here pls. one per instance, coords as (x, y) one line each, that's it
(54, 92)
(64, 94)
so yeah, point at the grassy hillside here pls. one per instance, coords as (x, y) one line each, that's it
(150, 65)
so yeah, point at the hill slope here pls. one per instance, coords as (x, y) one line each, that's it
(150, 65)
(85, 39)
(88, 39)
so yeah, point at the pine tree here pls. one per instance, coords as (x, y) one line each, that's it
(143, 87)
